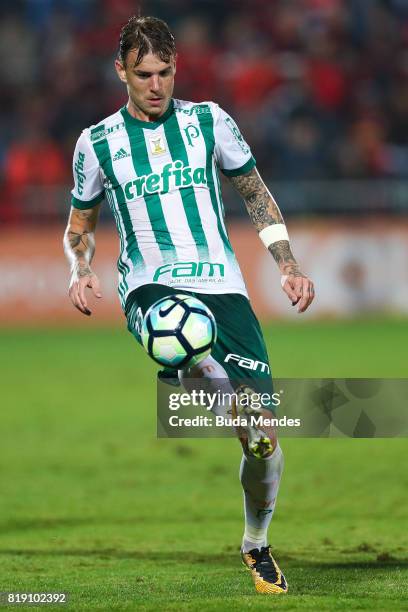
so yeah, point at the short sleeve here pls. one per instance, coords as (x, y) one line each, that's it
(88, 188)
(232, 153)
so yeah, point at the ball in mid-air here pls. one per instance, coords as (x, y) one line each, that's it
(178, 331)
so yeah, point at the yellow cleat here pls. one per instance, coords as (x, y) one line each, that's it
(266, 574)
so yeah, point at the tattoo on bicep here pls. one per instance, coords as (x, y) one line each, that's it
(261, 207)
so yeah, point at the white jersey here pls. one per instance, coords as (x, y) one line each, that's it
(161, 182)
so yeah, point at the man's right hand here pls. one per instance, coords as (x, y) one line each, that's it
(80, 280)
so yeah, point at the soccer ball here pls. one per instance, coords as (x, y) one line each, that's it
(178, 331)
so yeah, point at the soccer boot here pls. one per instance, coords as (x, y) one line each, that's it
(258, 442)
(266, 574)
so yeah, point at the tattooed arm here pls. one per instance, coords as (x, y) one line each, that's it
(79, 247)
(264, 211)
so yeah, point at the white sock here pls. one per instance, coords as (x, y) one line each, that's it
(260, 480)
(211, 377)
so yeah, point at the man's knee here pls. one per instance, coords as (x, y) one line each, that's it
(207, 368)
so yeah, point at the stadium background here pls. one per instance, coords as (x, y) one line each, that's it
(319, 89)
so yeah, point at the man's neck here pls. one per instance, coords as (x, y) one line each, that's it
(138, 113)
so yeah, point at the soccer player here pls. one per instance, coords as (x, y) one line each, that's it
(156, 162)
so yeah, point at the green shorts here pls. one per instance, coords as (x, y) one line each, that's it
(240, 346)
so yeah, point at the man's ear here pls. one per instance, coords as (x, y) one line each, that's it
(175, 63)
(121, 71)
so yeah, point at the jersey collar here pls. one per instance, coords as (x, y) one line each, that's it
(150, 125)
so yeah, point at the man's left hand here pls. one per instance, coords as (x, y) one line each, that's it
(299, 289)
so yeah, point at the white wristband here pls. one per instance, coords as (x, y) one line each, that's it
(273, 233)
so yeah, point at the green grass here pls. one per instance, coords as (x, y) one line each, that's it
(93, 504)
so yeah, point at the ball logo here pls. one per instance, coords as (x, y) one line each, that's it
(163, 312)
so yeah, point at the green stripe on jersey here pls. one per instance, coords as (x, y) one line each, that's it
(207, 127)
(142, 167)
(251, 163)
(84, 205)
(122, 266)
(178, 151)
(102, 152)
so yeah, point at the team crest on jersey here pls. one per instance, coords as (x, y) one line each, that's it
(192, 132)
(157, 145)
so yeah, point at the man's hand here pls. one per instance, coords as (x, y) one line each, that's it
(80, 280)
(264, 212)
(299, 289)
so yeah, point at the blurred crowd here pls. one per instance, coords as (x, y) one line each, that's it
(318, 87)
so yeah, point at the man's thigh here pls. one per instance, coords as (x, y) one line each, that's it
(240, 346)
(139, 302)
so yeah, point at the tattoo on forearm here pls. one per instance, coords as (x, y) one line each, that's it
(89, 214)
(283, 256)
(263, 212)
(79, 248)
(84, 270)
(82, 245)
(261, 206)
(78, 240)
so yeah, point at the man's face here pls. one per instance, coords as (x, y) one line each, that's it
(150, 84)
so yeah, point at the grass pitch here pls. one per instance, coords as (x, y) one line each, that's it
(94, 505)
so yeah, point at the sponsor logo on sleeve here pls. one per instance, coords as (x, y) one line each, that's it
(232, 126)
(79, 172)
(99, 133)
